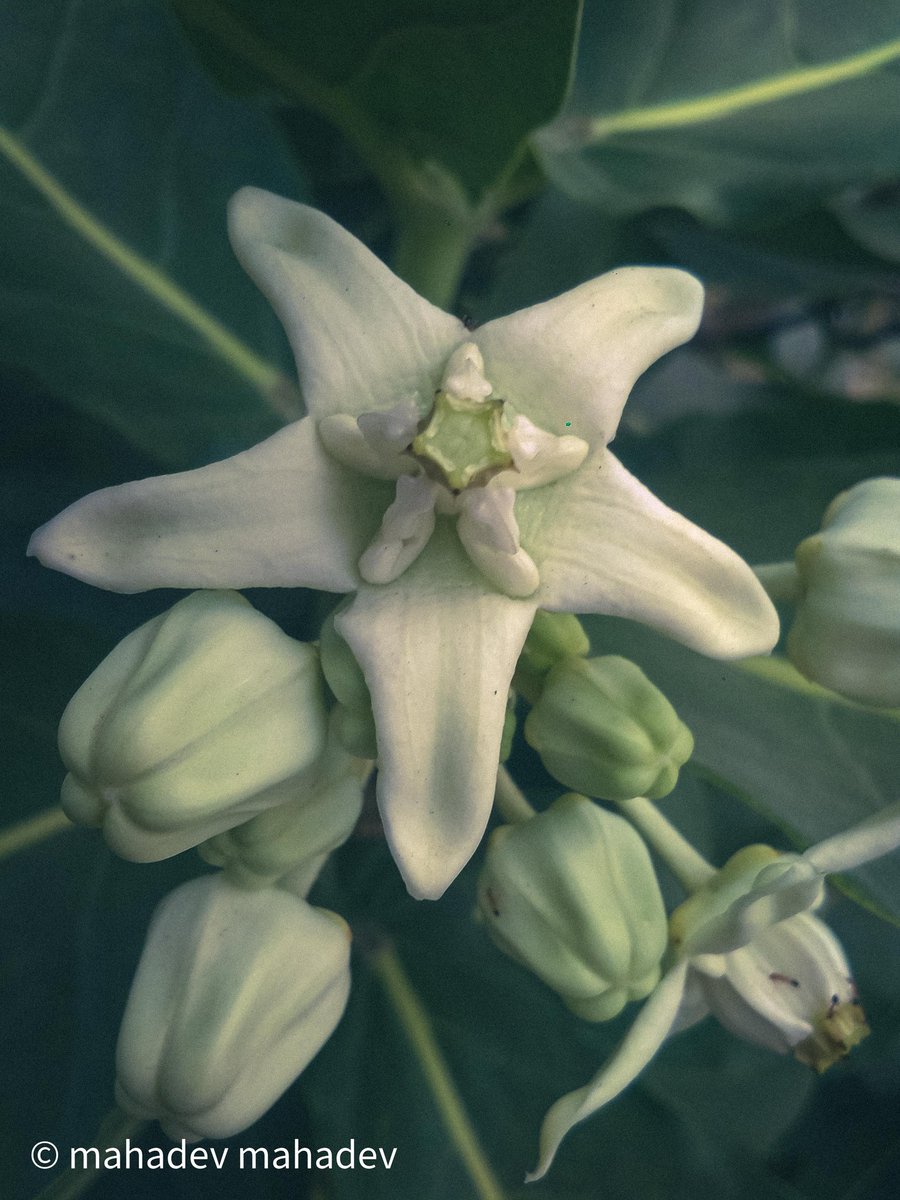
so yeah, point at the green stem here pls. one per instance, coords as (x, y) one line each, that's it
(686, 863)
(780, 580)
(269, 382)
(511, 801)
(431, 249)
(32, 830)
(416, 1025)
(114, 1129)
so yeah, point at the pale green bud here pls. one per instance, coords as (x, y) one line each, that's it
(553, 637)
(601, 727)
(354, 724)
(194, 723)
(846, 635)
(571, 893)
(291, 842)
(235, 993)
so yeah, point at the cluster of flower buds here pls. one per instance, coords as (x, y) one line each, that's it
(208, 727)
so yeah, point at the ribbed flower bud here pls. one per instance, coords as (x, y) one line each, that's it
(602, 728)
(235, 993)
(291, 842)
(354, 724)
(571, 893)
(846, 634)
(194, 723)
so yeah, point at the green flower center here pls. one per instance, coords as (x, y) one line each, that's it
(464, 438)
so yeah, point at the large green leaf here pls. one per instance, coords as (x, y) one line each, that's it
(119, 291)
(727, 109)
(418, 85)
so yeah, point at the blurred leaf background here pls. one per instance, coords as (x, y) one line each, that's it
(751, 141)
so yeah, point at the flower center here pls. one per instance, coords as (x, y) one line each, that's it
(463, 439)
(467, 460)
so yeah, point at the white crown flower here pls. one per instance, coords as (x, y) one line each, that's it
(455, 481)
(748, 950)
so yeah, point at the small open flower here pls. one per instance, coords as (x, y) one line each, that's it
(749, 951)
(454, 481)
(235, 993)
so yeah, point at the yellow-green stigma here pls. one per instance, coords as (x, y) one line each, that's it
(463, 438)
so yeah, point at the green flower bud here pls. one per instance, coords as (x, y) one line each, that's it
(194, 723)
(846, 635)
(553, 637)
(601, 727)
(289, 844)
(571, 894)
(354, 724)
(235, 993)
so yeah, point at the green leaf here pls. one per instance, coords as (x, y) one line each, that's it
(722, 108)
(119, 286)
(439, 88)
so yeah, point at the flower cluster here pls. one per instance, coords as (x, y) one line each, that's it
(458, 488)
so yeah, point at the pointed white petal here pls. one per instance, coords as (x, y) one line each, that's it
(282, 514)
(604, 543)
(650, 1029)
(362, 338)
(569, 363)
(405, 529)
(780, 891)
(487, 529)
(438, 648)
(877, 835)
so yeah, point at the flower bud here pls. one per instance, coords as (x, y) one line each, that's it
(195, 722)
(790, 990)
(553, 637)
(234, 995)
(354, 723)
(571, 893)
(846, 634)
(601, 727)
(289, 844)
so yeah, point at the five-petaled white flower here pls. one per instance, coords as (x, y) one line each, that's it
(455, 481)
(748, 950)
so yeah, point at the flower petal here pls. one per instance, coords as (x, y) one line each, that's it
(569, 363)
(604, 543)
(650, 1029)
(871, 838)
(438, 648)
(282, 514)
(362, 338)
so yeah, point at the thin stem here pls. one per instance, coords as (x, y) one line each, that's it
(416, 1025)
(32, 830)
(431, 250)
(261, 375)
(780, 580)
(687, 864)
(748, 95)
(115, 1129)
(511, 801)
